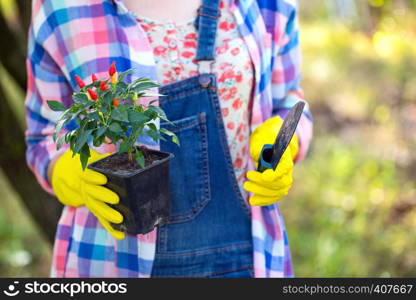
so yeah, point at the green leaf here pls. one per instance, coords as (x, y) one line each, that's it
(128, 106)
(137, 128)
(122, 86)
(82, 140)
(58, 128)
(92, 124)
(126, 145)
(96, 142)
(175, 139)
(123, 75)
(96, 84)
(55, 105)
(154, 135)
(158, 111)
(151, 114)
(73, 139)
(139, 158)
(112, 136)
(88, 105)
(84, 156)
(82, 123)
(143, 86)
(105, 109)
(100, 131)
(135, 116)
(148, 95)
(67, 113)
(167, 132)
(108, 98)
(115, 127)
(139, 80)
(80, 98)
(60, 142)
(94, 116)
(67, 136)
(79, 110)
(152, 126)
(120, 114)
(139, 108)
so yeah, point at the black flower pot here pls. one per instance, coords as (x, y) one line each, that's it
(144, 194)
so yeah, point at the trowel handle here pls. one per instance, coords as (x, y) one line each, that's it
(265, 160)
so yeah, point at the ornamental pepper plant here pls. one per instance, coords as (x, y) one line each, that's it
(107, 111)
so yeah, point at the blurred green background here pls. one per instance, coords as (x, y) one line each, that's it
(352, 209)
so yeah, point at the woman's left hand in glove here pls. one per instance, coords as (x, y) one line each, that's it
(271, 185)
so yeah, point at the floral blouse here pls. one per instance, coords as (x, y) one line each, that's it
(174, 46)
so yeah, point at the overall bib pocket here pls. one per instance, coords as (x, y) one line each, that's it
(189, 173)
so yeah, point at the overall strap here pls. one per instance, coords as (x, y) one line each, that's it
(207, 23)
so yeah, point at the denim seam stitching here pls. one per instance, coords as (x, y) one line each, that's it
(179, 84)
(247, 267)
(186, 125)
(206, 195)
(202, 252)
(226, 149)
(184, 94)
(210, 274)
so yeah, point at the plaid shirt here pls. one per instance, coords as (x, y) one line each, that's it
(70, 37)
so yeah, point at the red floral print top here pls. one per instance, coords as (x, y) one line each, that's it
(174, 47)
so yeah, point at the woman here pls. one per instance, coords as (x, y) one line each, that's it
(229, 71)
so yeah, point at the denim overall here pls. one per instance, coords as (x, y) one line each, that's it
(209, 232)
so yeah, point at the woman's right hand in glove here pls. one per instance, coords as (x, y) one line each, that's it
(75, 187)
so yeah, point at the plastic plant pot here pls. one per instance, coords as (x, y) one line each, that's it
(144, 194)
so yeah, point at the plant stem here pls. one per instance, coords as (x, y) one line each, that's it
(130, 155)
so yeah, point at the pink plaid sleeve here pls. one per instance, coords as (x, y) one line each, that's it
(45, 82)
(286, 76)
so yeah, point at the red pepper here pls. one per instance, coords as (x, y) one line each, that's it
(103, 87)
(79, 81)
(93, 94)
(115, 102)
(94, 78)
(112, 69)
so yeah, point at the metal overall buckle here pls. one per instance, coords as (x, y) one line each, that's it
(204, 68)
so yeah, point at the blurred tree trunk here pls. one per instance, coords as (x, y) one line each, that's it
(44, 209)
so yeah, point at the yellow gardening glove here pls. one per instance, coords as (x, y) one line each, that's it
(271, 185)
(75, 187)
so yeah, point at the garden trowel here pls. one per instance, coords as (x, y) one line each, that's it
(271, 154)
